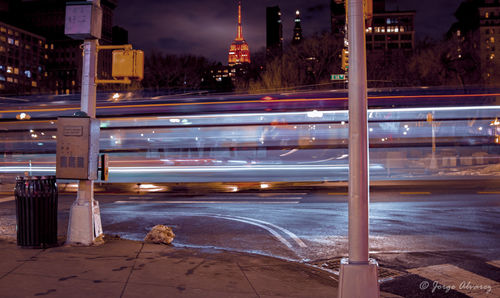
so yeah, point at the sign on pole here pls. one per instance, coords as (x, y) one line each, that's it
(337, 77)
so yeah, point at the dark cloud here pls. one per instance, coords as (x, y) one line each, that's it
(207, 28)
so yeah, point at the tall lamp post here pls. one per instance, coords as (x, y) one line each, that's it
(358, 274)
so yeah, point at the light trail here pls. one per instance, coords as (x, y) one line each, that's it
(277, 100)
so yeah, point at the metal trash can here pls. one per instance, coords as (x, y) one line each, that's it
(36, 211)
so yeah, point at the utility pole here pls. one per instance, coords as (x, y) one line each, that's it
(358, 274)
(84, 21)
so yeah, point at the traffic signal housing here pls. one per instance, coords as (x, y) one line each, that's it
(345, 60)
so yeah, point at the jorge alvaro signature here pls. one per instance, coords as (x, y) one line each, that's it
(464, 285)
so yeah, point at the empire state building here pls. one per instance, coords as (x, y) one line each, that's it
(239, 52)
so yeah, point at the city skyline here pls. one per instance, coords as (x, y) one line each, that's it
(208, 28)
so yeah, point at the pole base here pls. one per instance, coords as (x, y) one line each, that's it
(358, 280)
(80, 227)
(84, 224)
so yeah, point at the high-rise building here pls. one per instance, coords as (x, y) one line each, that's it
(23, 61)
(46, 18)
(239, 51)
(390, 30)
(297, 30)
(489, 36)
(274, 32)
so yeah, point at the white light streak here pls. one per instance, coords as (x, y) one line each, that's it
(289, 152)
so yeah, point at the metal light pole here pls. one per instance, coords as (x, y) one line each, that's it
(85, 221)
(358, 274)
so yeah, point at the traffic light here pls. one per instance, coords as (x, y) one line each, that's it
(345, 59)
(368, 8)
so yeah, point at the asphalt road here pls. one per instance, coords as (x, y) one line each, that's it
(299, 224)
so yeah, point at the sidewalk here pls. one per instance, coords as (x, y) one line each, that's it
(123, 268)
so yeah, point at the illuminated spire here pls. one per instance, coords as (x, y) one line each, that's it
(239, 52)
(239, 35)
(297, 30)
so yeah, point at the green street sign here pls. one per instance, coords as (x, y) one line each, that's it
(337, 77)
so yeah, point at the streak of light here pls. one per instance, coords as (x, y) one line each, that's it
(289, 152)
(194, 169)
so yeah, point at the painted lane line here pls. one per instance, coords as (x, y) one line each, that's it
(415, 193)
(273, 232)
(289, 233)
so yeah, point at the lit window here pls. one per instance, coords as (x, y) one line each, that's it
(3, 29)
(16, 42)
(458, 32)
(486, 14)
(27, 47)
(10, 69)
(27, 73)
(33, 83)
(10, 40)
(73, 83)
(9, 79)
(16, 70)
(3, 38)
(2, 86)
(492, 39)
(9, 32)
(2, 78)
(51, 46)
(46, 46)
(2, 49)
(492, 56)
(15, 80)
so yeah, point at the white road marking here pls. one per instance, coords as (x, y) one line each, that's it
(273, 232)
(290, 234)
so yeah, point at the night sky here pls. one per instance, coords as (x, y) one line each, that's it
(207, 28)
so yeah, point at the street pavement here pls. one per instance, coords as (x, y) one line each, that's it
(126, 268)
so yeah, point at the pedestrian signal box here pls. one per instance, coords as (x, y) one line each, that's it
(128, 64)
(77, 148)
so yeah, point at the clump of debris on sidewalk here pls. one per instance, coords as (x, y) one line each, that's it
(160, 234)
